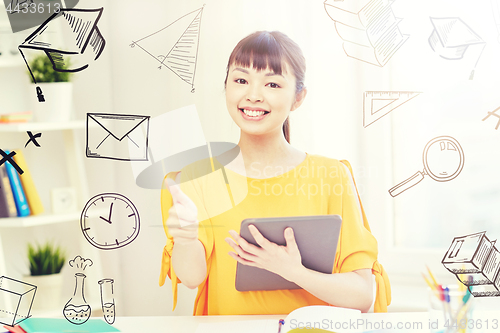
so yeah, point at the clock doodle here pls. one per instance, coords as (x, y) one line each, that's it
(110, 221)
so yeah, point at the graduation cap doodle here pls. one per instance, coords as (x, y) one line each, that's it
(451, 38)
(86, 42)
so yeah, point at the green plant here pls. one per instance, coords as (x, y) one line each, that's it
(43, 71)
(45, 259)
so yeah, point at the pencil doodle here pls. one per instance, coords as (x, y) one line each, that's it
(377, 104)
(77, 311)
(182, 57)
(451, 38)
(33, 138)
(475, 261)
(80, 263)
(114, 131)
(86, 47)
(443, 160)
(493, 113)
(369, 29)
(18, 298)
(7, 156)
(107, 300)
(119, 228)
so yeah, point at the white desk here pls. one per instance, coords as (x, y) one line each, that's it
(414, 321)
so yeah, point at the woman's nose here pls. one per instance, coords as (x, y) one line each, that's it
(254, 94)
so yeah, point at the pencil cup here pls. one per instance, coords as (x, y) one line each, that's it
(447, 311)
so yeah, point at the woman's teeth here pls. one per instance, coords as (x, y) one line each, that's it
(251, 113)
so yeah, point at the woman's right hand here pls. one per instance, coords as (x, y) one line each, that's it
(182, 219)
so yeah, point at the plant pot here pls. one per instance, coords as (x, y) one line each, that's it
(58, 102)
(48, 291)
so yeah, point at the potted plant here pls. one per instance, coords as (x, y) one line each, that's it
(45, 264)
(57, 90)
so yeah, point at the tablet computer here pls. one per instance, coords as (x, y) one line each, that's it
(316, 238)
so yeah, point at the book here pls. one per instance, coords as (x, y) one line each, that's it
(17, 190)
(369, 29)
(355, 13)
(34, 201)
(373, 33)
(322, 318)
(19, 117)
(380, 54)
(7, 203)
(475, 261)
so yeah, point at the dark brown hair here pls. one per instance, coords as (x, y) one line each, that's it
(270, 49)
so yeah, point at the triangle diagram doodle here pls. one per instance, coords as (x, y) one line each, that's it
(377, 104)
(176, 46)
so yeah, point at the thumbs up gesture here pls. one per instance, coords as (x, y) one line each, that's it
(182, 219)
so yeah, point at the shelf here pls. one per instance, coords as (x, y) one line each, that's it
(11, 61)
(35, 126)
(43, 219)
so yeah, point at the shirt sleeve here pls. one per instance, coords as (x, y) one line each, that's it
(358, 247)
(205, 235)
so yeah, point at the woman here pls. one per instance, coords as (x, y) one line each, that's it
(264, 83)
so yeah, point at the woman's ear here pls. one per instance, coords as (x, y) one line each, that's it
(299, 98)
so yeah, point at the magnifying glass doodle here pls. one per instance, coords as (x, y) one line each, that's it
(443, 159)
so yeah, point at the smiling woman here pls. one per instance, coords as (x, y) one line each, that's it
(264, 83)
(277, 63)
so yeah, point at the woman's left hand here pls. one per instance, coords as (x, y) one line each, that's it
(282, 260)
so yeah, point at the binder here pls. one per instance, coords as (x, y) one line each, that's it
(34, 201)
(17, 190)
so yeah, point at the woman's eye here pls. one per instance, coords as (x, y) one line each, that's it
(240, 81)
(273, 85)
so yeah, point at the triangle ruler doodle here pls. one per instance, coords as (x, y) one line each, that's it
(377, 104)
(176, 46)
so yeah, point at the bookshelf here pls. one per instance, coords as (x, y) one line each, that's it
(38, 220)
(34, 126)
(11, 61)
(73, 160)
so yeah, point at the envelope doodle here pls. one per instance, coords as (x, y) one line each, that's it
(108, 136)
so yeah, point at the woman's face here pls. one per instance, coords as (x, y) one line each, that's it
(260, 101)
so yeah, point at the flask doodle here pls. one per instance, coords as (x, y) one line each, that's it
(77, 310)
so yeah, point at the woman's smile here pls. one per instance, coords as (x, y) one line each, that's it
(254, 114)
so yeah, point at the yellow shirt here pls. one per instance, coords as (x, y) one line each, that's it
(317, 186)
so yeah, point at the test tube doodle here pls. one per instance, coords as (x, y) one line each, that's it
(107, 300)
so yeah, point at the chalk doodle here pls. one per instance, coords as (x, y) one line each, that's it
(77, 311)
(86, 47)
(443, 160)
(377, 104)
(493, 113)
(451, 38)
(107, 300)
(369, 29)
(17, 298)
(118, 228)
(182, 56)
(475, 261)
